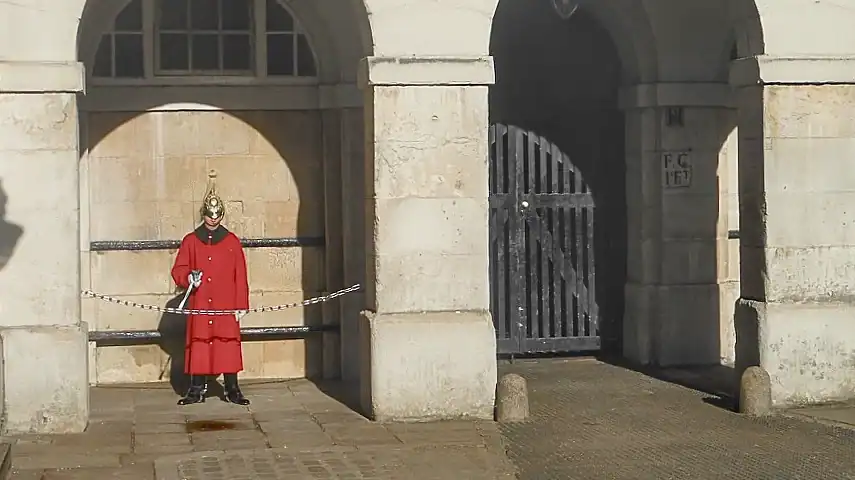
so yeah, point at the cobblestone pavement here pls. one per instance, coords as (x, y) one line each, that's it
(595, 421)
(292, 430)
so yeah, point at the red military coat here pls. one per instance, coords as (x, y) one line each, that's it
(213, 341)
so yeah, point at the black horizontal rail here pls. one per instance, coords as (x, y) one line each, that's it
(733, 234)
(137, 245)
(108, 338)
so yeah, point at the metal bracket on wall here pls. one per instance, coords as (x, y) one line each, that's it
(674, 117)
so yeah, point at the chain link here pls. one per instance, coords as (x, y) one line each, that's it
(187, 311)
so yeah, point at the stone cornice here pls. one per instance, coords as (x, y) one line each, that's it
(41, 77)
(403, 71)
(792, 70)
(142, 98)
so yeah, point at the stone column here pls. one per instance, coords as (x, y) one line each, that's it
(427, 338)
(679, 272)
(797, 201)
(44, 342)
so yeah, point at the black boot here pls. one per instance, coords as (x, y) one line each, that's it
(197, 391)
(233, 393)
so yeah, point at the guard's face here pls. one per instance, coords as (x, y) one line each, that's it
(212, 222)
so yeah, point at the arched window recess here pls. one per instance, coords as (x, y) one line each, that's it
(174, 42)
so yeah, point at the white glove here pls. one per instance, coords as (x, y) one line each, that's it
(195, 278)
(240, 314)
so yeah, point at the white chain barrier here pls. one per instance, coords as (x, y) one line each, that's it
(187, 311)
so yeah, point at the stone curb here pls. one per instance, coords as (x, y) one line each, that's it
(812, 419)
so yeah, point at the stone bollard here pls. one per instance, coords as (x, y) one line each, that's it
(755, 392)
(511, 399)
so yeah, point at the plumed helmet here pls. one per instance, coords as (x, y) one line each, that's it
(212, 205)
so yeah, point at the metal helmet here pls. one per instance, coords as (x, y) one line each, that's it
(213, 206)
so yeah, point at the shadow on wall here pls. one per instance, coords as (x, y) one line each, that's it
(10, 233)
(173, 332)
(295, 136)
(752, 235)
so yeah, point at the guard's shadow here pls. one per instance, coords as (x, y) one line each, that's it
(9, 232)
(173, 335)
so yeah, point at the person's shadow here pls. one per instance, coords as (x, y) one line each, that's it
(9, 232)
(173, 333)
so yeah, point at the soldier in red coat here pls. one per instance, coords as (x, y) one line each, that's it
(211, 259)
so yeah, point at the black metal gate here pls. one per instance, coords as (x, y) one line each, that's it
(541, 247)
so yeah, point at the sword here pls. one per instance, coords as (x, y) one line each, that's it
(197, 276)
(186, 296)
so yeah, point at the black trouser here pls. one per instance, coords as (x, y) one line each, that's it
(230, 379)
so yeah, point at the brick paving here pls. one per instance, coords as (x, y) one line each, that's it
(592, 420)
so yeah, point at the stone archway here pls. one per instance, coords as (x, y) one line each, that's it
(583, 88)
(560, 79)
(682, 276)
(271, 132)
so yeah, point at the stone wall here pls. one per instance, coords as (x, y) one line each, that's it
(144, 177)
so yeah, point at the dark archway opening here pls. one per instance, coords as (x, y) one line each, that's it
(560, 79)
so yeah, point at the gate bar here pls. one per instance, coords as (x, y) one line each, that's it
(114, 338)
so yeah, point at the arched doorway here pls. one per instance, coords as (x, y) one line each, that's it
(557, 84)
(242, 87)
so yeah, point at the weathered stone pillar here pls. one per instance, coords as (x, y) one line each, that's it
(681, 276)
(427, 338)
(44, 342)
(797, 195)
